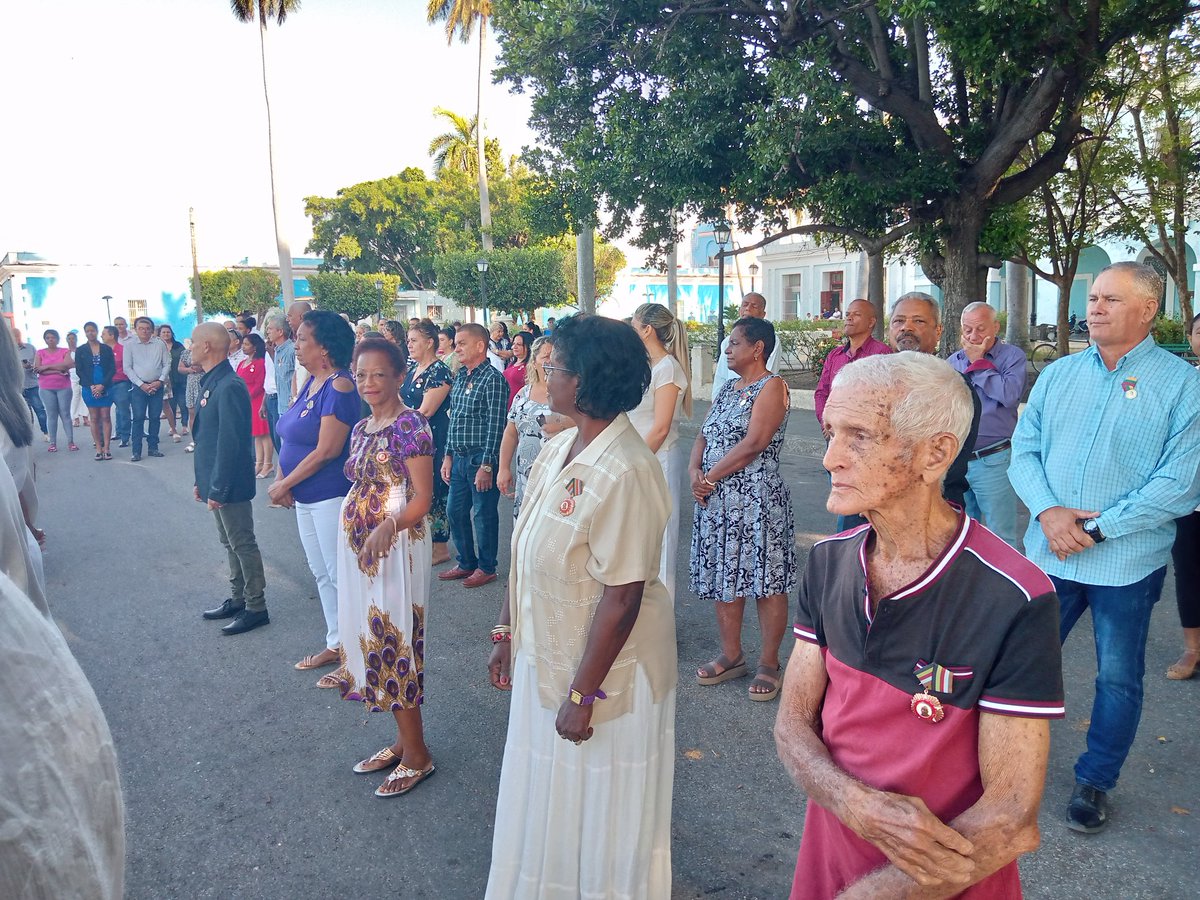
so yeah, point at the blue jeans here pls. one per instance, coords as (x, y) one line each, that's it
(120, 393)
(1121, 621)
(464, 504)
(144, 406)
(272, 402)
(991, 498)
(34, 399)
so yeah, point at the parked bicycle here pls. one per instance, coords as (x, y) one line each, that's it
(1042, 355)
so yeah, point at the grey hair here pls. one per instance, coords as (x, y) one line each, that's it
(927, 298)
(278, 320)
(15, 415)
(979, 304)
(1149, 284)
(932, 398)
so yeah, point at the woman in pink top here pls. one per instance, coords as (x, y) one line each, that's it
(515, 373)
(54, 387)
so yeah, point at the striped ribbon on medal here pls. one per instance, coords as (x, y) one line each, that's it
(934, 677)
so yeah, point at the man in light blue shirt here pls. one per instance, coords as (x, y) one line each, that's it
(1106, 456)
(279, 334)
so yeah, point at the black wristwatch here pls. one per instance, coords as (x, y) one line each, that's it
(1091, 528)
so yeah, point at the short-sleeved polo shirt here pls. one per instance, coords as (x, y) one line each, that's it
(983, 613)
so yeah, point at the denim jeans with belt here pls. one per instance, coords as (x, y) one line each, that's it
(464, 504)
(990, 497)
(1121, 621)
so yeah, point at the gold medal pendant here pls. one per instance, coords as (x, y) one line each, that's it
(928, 707)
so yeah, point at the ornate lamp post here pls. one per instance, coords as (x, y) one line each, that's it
(753, 272)
(482, 265)
(107, 298)
(721, 232)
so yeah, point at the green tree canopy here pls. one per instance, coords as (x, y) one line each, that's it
(862, 115)
(355, 294)
(230, 291)
(518, 280)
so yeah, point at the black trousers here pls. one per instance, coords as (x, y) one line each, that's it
(1186, 554)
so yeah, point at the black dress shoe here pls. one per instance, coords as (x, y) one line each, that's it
(154, 453)
(137, 457)
(123, 444)
(246, 621)
(1088, 810)
(226, 610)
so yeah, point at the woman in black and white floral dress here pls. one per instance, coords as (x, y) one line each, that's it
(743, 534)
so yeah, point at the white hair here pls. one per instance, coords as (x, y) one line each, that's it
(931, 397)
(979, 304)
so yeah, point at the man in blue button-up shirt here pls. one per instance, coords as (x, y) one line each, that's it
(1106, 456)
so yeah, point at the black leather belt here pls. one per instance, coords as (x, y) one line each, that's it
(988, 451)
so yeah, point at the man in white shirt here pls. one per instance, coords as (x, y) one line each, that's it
(147, 365)
(124, 335)
(754, 305)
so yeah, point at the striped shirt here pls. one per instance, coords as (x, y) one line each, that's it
(1124, 443)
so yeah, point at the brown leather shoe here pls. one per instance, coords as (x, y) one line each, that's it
(454, 574)
(479, 578)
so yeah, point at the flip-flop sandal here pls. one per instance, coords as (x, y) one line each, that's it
(99, 457)
(384, 759)
(728, 670)
(107, 456)
(309, 662)
(403, 771)
(71, 446)
(763, 676)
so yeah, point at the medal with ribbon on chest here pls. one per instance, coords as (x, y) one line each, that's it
(1129, 387)
(574, 489)
(933, 677)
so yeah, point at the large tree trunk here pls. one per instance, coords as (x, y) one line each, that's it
(1017, 290)
(485, 202)
(875, 291)
(965, 276)
(585, 267)
(281, 244)
(1064, 283)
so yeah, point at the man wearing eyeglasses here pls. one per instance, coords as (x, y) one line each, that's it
(478, 408)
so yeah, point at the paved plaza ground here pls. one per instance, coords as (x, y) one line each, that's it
(236, 770)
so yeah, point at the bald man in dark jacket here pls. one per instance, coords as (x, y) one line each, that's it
(224, 462)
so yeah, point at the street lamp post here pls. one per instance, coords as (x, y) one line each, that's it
(379, 294)
(482, 265)
(107, 298)
(721, 233)
(753, 272)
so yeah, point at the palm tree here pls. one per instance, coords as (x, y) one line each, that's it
(455, 149)
(460, 17)
(264, 11)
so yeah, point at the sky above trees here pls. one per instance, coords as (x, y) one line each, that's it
(110, 139)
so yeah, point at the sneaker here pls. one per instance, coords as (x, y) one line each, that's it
(155, 453)
(136, 457)
(1088, 810)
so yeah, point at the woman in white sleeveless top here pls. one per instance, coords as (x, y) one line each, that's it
(665, 403)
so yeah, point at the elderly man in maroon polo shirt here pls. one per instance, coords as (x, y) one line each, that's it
(916, 702)
(859, 343)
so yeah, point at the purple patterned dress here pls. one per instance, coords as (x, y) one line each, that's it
(381, 607)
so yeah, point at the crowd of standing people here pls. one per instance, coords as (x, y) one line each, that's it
(391, 444)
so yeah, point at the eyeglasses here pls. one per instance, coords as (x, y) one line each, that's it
(550, 370)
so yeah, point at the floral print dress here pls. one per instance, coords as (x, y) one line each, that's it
(381, 607)
(744, 539)
(523, 413)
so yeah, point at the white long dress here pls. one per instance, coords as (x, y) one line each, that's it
(666, 371)
(591, 820)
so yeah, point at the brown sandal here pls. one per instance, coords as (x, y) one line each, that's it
(330, 680)
(384, 759)
(721, 669)
(1179, 671)
(310, 661)
(765, 676)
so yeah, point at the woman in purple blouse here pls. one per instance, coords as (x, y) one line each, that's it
(314, 434)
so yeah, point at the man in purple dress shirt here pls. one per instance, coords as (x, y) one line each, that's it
(860, 322)
(997, 374)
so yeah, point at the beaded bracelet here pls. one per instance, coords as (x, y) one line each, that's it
(501, 638)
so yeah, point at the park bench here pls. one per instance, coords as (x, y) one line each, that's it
(1183, 351)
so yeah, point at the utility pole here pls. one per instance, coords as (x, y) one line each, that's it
(585, 264)
(196, 292)
(673, 272)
